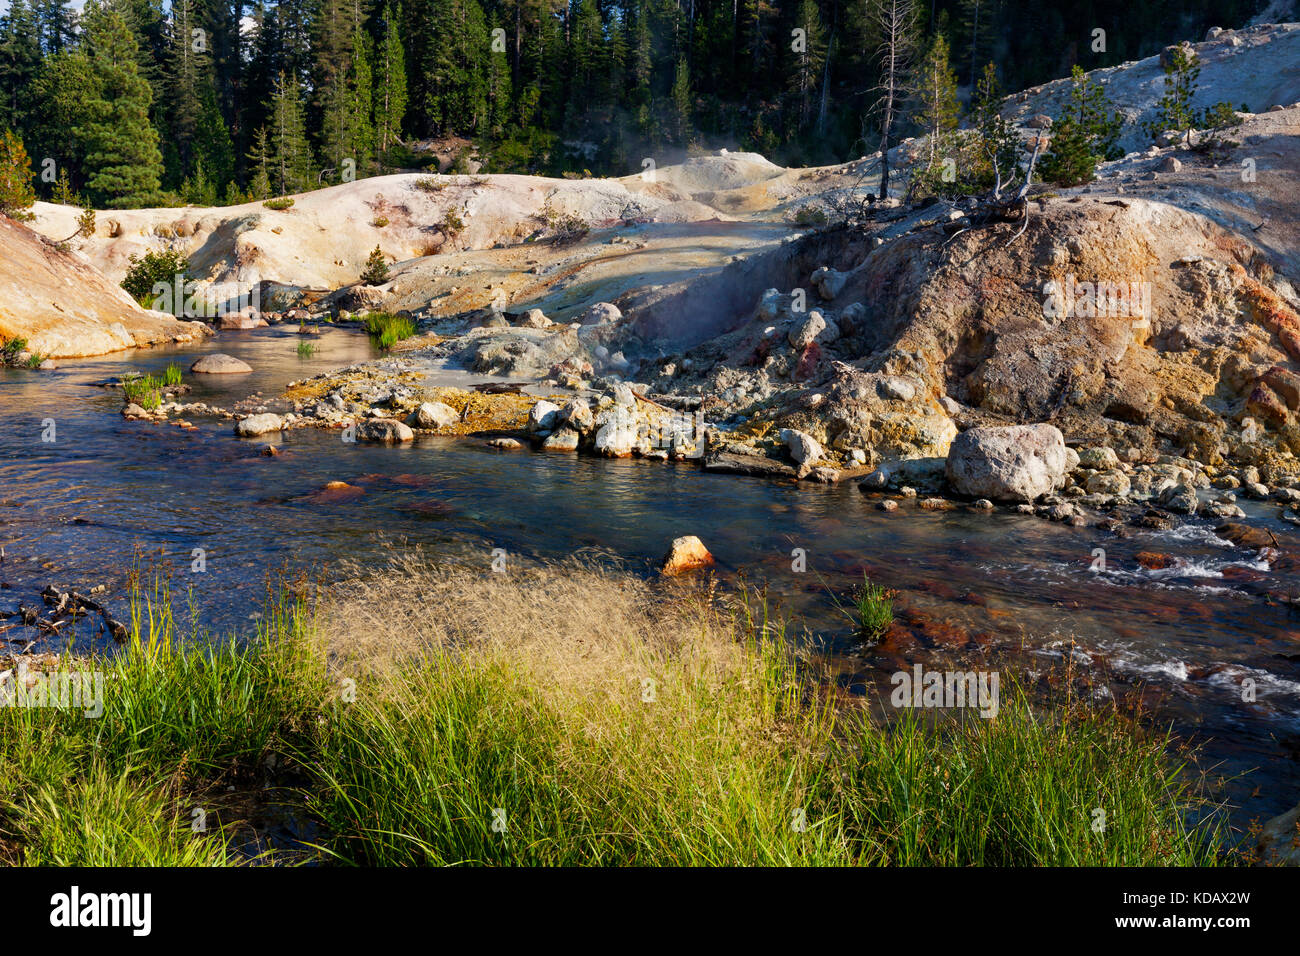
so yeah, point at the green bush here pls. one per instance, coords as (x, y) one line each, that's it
(279, 204)
(153, 268)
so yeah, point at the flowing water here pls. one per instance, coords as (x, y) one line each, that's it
(74, 511)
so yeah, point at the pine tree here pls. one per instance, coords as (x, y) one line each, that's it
(936, 93)
(681, 100)
(376, 271)
(20, 64)
(56, 25)
(1090, 109)
(1085, 134)
(198, 132)
(1070, 160)
(390, 84)
(997, 145)
(122, 161)
(347, 134)
(809, 52)
(289, 160)
(1174, 111)
(16, 194)
(259, 162)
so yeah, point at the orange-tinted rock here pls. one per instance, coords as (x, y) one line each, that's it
(1284, 383)
(1263, 403)
(1153, 561)
(687, 553)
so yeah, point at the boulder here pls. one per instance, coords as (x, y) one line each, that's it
(807, 331)
(238, 321)
(1100, 458)
(602, 313)
(1007, 463)
(1180, 498)
(218, 363)
(577, 416)
(542, 416)
(434, 415)
(562, 439)
(1039, 121)
(1108, 483)
(535, 319)
(897, 389)
(1279, 839)
(385, 430)
(802, 447)
(255, 425)
(829, 282)
(687, 553)
(616, 436)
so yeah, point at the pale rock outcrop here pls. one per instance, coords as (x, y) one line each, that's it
(1008, 463)
(65, 308)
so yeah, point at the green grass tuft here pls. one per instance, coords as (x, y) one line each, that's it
(388, 329)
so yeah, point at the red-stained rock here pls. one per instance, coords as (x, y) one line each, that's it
(687, 553)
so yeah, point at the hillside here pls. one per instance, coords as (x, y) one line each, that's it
(65, 308)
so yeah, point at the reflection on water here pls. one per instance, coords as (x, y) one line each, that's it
(970, 583)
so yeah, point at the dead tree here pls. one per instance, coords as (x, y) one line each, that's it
(895, 23)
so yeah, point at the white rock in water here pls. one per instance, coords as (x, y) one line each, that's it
(803, 448)
(434, 415)
(384, 430)
(687, 553)
(258, 425)
(218, 363)
(541, 417)
(1009, 463)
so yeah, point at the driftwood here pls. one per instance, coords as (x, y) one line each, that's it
(993, 207)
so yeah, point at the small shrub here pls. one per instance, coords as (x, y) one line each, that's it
(452, 224)
(279, 204)
(376, 271)
(306, 350)
(430, 184)
(379, 222)
(155, 267)
(809, 216)
(12, 347)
